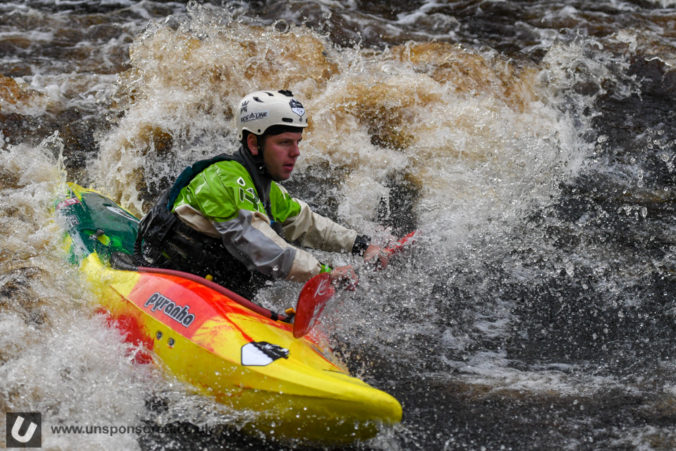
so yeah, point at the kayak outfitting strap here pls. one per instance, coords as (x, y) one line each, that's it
(153, 230)
(124, 261)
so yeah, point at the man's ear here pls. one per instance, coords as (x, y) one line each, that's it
(252, 144)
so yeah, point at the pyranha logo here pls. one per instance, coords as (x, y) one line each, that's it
(179, 313)
(23, 430)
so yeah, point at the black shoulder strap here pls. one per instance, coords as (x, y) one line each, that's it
(189, 173)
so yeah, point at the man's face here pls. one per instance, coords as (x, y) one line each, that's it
(280, 153)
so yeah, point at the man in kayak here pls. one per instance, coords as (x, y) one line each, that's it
(228, 217)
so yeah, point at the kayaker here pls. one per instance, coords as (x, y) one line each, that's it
(229, 218)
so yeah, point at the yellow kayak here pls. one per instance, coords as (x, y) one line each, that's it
(243, 355)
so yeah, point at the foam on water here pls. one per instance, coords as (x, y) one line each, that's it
(58, 358)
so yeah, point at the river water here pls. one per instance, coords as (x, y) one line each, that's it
(531, 144)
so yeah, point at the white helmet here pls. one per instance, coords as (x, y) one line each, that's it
(262, 109)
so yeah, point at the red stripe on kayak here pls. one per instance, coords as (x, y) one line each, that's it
(219, 288)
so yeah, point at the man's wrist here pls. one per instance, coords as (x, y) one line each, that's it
(361, 243)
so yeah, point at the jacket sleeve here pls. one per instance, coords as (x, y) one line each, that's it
(251, 240)
(310, 229)
(303, 226)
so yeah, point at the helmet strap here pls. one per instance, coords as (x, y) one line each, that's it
(258, 160)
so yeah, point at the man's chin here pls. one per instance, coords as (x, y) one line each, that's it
(281, 177)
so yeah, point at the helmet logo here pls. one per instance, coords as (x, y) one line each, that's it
(253, 116)
(242, 108)
(297, 107)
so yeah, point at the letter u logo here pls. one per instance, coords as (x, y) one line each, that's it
(26, 436)
(23, 429)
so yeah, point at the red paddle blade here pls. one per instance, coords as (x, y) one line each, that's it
(311, 302)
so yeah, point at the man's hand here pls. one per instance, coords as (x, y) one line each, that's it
(344, 275)
(376, 255)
